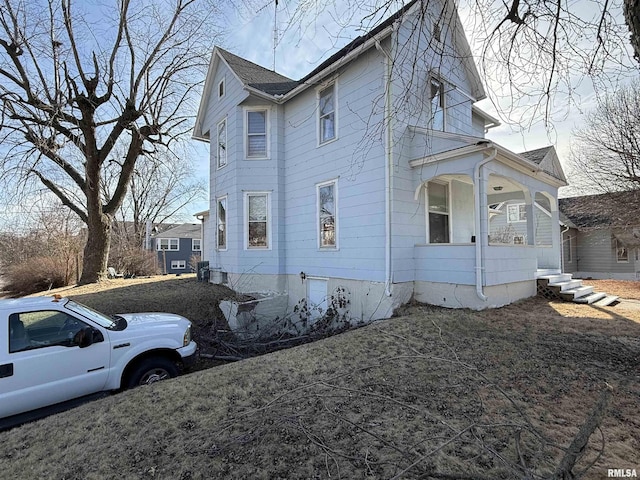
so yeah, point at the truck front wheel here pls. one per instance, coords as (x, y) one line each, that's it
(152, 370)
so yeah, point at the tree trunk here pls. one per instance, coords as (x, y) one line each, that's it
(96, 250)
(632, 16)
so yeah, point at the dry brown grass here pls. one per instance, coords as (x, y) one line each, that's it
(365, 404)
(628, 289)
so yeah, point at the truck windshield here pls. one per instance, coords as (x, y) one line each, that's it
(87, 312)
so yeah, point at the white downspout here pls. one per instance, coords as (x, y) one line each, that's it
(479, 239)
(387, 172)
(566, 229)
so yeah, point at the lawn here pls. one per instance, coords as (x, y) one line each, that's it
(431, 393)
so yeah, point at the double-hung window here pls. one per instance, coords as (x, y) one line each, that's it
(438, 211)
(516, 213)
(168, 244)
(327, 214)
(437, 101)
(256, 123)
(178, 264)
(196, 245)
(222, 143)
(327, 114)
(221, 223)
(257, 213)
(622, 252)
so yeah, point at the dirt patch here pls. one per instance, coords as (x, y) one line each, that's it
(626, 289)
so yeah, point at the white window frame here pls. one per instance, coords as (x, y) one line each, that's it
(624, 248)
(569, 258)
(442, 101)
(195, 241)
(219, 156)
(267, 135)
(428, 210)
(334, 183)
(521, 212)
(171, 242)
(178, 264)
(266, 194)
(221, 88)
(218, 223)
(334, 85)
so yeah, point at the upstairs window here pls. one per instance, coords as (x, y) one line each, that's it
(327, 114)
(221, 89)
(438, 208)
(437, 32)
(327, 208)
(168, 244)
(222, 143)
(516, 213)
(436, 98)
(256, 134)
(196, 245)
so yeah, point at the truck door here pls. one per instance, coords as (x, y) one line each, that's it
(45, 363)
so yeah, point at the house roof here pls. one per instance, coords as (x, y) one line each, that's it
(537, 155)
(547, 159)
(279, 88)
(606, 210)
(185, 230)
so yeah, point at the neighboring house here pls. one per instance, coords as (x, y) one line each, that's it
(176, 247)
(369, 180)
(602, 235)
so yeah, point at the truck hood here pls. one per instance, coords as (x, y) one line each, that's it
(137, 320)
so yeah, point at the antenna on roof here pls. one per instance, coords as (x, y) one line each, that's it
(275, 33)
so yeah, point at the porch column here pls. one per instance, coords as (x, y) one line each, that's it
(529, 198)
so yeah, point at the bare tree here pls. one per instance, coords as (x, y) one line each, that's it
(79, 86)
(605, 155)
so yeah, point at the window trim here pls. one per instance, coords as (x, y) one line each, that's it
(267, 128)
(226, 239)
(569, 256)
(331, 84)
(221, 88)
(169, 241)
(226, 143)
(428, 212)
(248, 194)
(518, 205)
(193, 244)
(178, 262)
(443, 101)
(335, 246)
(625, 248)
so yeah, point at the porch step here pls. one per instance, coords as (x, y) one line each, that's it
(606, 301)
(564, 287)
(555, 278)
(575, 293)
(591, 298)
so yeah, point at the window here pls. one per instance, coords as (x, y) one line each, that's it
(437, 33)
(256, 133)
(257, 220)
(221, 88)
(518, 239)
(178, 264)
(221, 237)
(516, 213)
(168, 244)
(622, 252)
(44, 329)
(438, 208)
(327, 114)
(436, 97)
(327, 208)
(222, 143)
(196, 244)
(569, 257)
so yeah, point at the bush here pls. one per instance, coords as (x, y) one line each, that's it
(134, 262)
(37, 274)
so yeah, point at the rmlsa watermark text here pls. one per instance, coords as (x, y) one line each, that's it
(622, 473)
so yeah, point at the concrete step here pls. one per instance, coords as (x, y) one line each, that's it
(606, 301)
(558, 278)
(573, 293)
(591, 298)
(566, 285)
(544, 272)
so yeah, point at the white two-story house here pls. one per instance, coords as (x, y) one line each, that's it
(370, 180)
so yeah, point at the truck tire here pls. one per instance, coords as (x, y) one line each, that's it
(151, 370)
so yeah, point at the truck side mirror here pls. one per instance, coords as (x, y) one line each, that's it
(84, 337)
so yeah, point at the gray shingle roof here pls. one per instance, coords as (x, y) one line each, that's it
(607, 210)
(186, 230)
(536, 155)
(258, 77)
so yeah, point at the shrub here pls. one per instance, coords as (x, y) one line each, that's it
(132, 261)
(37, 274)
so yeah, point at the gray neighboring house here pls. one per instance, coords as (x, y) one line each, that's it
(602, 235)
(176, 247)
(370, 181)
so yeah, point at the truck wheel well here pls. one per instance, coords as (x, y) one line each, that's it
(167, 353)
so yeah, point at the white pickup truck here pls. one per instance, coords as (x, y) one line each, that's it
(53, 350)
